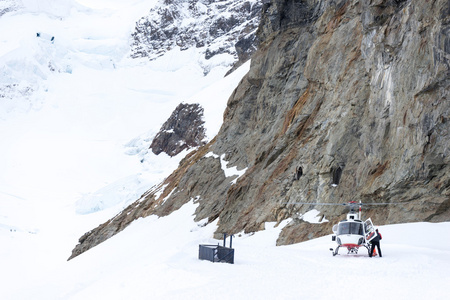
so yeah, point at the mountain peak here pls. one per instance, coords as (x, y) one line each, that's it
(213, 27)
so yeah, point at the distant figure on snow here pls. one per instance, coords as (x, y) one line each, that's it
(46, 36)
(376, 242)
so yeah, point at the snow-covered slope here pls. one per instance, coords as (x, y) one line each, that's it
(76, 118)
(157, 259)
(77, 114)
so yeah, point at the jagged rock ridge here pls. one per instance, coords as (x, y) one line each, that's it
(216, 27)
(355, 87)
(7, 6)
(183, 130)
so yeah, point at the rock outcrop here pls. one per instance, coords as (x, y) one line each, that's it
(7, 6)
(352, 92)
(183, 130)
(215, 27)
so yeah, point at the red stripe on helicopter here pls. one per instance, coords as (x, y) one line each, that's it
(351, 245)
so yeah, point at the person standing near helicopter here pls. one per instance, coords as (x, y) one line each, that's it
(376, 242)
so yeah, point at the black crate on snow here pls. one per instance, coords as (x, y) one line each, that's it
(217, 253)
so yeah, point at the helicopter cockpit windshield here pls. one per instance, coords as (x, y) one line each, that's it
(350, 228)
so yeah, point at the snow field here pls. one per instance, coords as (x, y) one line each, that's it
(157, 258)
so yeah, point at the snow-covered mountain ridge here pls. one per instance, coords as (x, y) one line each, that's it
(213, 27)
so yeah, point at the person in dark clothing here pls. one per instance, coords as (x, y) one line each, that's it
(376, 242)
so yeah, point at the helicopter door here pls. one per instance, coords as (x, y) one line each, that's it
(369, 230)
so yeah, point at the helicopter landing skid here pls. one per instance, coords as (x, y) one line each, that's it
(350, 250)
(335, 252)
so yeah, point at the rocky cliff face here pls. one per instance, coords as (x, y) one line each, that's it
(215, 27)
(353, 92)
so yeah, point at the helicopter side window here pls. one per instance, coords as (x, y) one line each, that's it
(344, 228)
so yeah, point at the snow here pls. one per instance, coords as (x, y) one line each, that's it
(76, 119)
(229, 171)
(157, 258)
(313, 216)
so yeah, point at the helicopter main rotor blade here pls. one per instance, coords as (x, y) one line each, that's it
(333, 204)
(386, 203)
(343, 204)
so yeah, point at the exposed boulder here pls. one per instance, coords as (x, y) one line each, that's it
(183, 130)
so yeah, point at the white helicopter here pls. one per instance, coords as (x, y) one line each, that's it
(352, 233)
